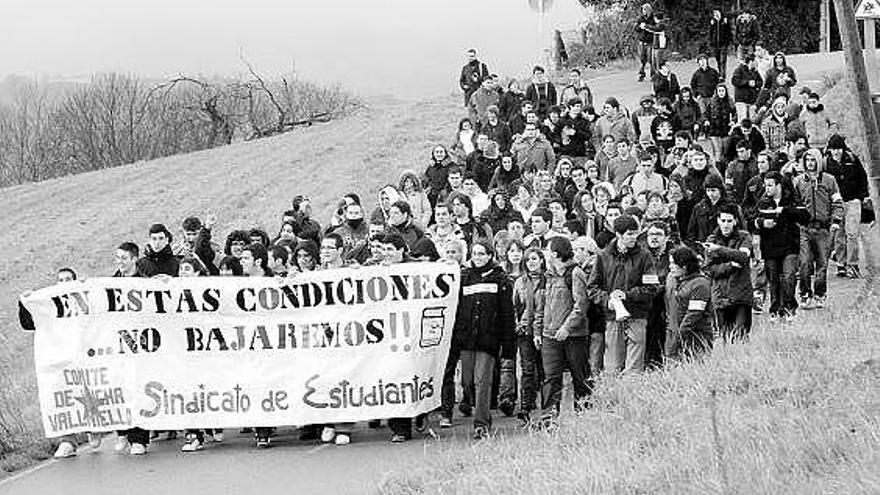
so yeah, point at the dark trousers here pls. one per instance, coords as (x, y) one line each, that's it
(734, 321)
(645, 59)
(781, 279)
(531, 375)
(572, 353)
(447, 391)
(136, 435)
(721, 60)
(655, 333)
(815, 243)
(477, 375)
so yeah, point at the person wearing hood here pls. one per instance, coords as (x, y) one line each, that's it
(436, 176)
(472, 76)
(728, 253)
(415, 195)
(642, 118)
(852, 180)
(564, 336)
(353, 230)
(505, 174)
(704, 218)
(388, 195)
(774, 125)
(158, 258)
(821, 196)
(483, 330)
(746, 81)
(480, 101)
(780, 214)
(623, 283)
(500, 211)
(780, 78)
(532, 149)
(817, 125)
(496, 130)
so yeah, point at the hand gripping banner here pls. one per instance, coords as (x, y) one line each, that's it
(211, 352)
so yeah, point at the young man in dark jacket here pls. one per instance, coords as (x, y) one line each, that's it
(704, 218)
(747, 82)
(657, 243)
(704, 81)
(720, 36)
(691, 325)
(158, 258)
(472, 76)
(740, 171)
(778, 223)
(585, 311)
(728, 254)
(484, 330)
(646, 28)
(541, 92)
(564, 337)
(852, 180)
(623, 283)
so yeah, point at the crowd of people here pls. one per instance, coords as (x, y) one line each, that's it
(592, 238)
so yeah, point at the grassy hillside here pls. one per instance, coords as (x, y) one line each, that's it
(79, 220)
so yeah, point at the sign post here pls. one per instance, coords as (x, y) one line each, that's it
(869, 11)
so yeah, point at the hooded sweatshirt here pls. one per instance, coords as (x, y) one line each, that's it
(819, 193)
(780, 77)
(417, 199)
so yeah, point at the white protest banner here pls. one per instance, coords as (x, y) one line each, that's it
(331, 346)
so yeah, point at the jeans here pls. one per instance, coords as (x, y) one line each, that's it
(655, 333)
(447, 391)
(744, 111)
(625, 345)
(846, 249)
(814, 261)
(734, 321)
(646, 58)
(572, 353)
(721, 60)
(477, 370)
(743, 50)
(531, 375)
(597, 354)
(781, 281)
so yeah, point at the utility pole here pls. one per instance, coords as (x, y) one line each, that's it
(825, 26)
(855, 64)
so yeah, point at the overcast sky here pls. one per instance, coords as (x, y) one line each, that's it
(372, 46)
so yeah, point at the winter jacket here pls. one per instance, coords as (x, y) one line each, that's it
(780, 78)
(533, 151)
(774, 129)
(850, 175)
(583, 135)
(480, 101)
(410, 232)
(472, 76)
(663, 129)
(720, 32)
(646, 35)
(162, 263)
(631, 271)
(559, 302)
(352, 234)
(528, 292)
(666, 86)
(746, 30)
(737, 175)
(504, 178)
(704, 81)
(619, 127)
(483, 169)
(497, 219)
(821, 196)
(782, 239)
(510, 107)
(743, 92)
(704, 220)
(816, 125)
(731, 284)
(500, 133)
(756, 140)
(694, 310)
(641, 120)
(484, 320)
(719, 114)
(619, 169)
(688, 114)
(435, 178)
(542, 96)
(580, 90)
(586, 316)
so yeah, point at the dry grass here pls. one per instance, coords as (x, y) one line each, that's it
(797, 411)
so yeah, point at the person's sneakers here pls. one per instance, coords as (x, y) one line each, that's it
(327, 434)
(481, 433)
(264, 442)
(65, 450)
(852, 271)
(465, 409)
(342, 439)
(807, 303)
(506, 407)
(398, 438)
(138, 449)
(94, 440)
(121, 445)
(819, 301)
(219, 436)
(445, 422)
(192, 445)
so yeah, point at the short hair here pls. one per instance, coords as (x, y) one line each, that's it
(686, 135)
(613, 102)
(289, 213)
(661, 225)
(442, 204)
(525, 103)
(297, 201)
(744, 144)
(69, 270)
(555, 109)
(575, 227)
(259, 252)
(191, 224)
(646, 156)
(730, 209)
(775, 175)
(686, 258)
(702, 55)
(196, 263)
(355, 198)
(395, 240)
(575, 70)
(574, 101)
(158, 228)
(615, 205)
(455, 169)
(544, 213)
(277, 252)
(403, 206)
(537, 68)
(686, 89)
(130, 248)
(625, 140)
(485, 245)
(625, 223)
(472, 50)
(264, 237)
(562, 247)
(232, 264)
(337, 239)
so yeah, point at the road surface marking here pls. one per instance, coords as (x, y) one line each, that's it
(26, 472)
(318, 448)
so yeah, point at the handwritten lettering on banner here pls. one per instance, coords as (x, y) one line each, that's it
(332, 346)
